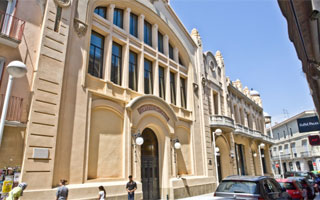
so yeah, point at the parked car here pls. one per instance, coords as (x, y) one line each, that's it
(293, 188)
(308, 175)
(305, 185)
(251, 187)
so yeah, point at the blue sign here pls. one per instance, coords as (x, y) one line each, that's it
(308, 124)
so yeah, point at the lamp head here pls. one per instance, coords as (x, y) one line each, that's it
(177, 144)
(139, 140)
(254, 154)
(217, 149)
(262, 145)
(17, 69)
(218, 131)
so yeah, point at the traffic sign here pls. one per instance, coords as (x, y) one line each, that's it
(277, 165)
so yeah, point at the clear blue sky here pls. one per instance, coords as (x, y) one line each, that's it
(252, 36)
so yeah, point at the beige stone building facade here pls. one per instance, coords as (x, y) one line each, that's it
(243, 146)
(102, 73)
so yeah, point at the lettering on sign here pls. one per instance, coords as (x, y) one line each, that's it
(308, 124)
(150, 107)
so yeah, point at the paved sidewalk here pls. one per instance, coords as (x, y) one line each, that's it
(202, 197)
(210, 197)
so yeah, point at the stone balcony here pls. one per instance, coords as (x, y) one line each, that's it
(11, 30)
(220, 121)
(228, 124)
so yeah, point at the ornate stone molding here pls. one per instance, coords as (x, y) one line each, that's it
(80, 27)
(63, 3)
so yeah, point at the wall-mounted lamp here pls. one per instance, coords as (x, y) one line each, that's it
(218, 132)
(138, 138)
(176, 143)
(254, 154)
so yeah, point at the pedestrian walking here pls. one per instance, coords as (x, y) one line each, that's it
(102, 193)
(62, 192)
(17, 192)
(131, 187)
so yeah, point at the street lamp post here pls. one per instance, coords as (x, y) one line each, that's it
(262, 145)
(16, 69)
(281, 170)
(216, 132)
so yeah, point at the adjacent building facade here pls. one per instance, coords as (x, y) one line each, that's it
(102, 73)
(243, 146)
(292, 150)
(303, 21)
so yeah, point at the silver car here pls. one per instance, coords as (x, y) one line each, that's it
(251, 187)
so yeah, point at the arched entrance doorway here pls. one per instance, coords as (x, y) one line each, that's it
(150, 165)
(223, 158)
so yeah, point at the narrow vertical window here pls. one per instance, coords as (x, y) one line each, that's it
(116, 63)
(160, 42)
(2, 60)
(102, 11)
(96, 55)
(148, 77)
(162, 89)
(58, 19)
(170, 51)
(172, 88)
(133, 71)
(133, 24)
(118, 17)
(147, 33)
(180, 61)
(183, 92)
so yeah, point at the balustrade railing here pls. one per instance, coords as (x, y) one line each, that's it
(11, 26)
(15, 108)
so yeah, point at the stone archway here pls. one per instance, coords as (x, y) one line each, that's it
(224, 158)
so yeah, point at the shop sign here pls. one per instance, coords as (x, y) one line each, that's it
(314, 140)
(314, 164)
(308, 124)
(277, 165)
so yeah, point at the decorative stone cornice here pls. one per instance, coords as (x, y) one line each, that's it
(63, 3)
(80, 27)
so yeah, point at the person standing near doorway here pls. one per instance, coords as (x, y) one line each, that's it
(62, 192)
(131, 188)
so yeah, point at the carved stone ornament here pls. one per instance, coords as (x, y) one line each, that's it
(63, 3)
(80, 27)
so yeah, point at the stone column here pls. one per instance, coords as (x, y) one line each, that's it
(155, 36)
(176, 54)
(167, 81)
(125, 65)
(126, 20)
(155, 78)
(110, 12)
(178, 95)
(166, 45)
(140, 72)
(108, 57)
(140, 27)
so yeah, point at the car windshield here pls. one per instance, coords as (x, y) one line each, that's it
(238, 187)
(288, 185)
